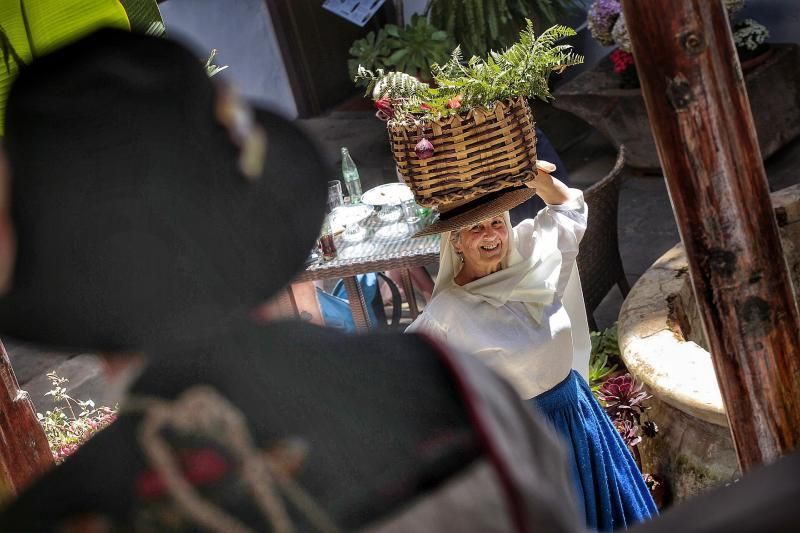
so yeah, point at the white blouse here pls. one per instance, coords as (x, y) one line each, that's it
(533, 356)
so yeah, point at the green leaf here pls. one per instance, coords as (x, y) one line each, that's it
(397, 56)
(35, 27)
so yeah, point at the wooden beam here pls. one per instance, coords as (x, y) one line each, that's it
(700, 117)
(24, 450)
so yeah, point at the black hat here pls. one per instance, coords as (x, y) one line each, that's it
(134, 220)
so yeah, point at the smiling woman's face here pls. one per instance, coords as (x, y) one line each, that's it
(483, 245)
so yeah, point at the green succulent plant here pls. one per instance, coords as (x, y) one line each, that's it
(599, 370)
(371, 52)
(605, 357)
(412, 48)
(417, 46)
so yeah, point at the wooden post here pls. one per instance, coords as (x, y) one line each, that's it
(24, 451)
(700, 118)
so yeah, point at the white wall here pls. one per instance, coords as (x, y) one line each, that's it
(242, 33)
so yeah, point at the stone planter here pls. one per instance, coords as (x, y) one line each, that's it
(662, 344)
(773, 87)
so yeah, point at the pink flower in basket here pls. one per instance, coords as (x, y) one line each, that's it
(385, 109)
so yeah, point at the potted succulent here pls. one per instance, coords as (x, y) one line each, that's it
(607, 25)
(412, 48)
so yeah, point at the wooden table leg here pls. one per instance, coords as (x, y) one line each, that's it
(358, 305)
(408, 288)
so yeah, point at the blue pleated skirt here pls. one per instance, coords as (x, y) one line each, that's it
(606, 476)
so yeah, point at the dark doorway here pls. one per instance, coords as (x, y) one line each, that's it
(314, 44)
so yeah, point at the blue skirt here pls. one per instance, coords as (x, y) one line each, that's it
(607, 479)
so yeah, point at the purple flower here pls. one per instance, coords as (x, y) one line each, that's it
(601, 18)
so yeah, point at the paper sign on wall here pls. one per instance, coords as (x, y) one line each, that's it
(356, 11)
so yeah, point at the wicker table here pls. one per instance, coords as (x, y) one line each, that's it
(387, 246)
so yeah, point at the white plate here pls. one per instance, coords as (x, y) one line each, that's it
(349, 214)
(391, 232)
(388, 194)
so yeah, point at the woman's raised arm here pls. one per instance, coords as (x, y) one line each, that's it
(551, 190)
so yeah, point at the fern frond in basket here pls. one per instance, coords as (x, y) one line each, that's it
(523, 69)
(381, 84)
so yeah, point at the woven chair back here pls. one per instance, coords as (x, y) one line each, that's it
(475, 153)
(599, 261)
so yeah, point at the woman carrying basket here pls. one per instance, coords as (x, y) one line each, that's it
(507, 296)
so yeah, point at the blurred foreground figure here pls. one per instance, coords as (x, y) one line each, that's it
(152, 212)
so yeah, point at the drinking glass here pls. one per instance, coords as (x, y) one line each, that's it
(410, 211)
(326, 243)
(390, 213)
(335, 198)
(351, 218)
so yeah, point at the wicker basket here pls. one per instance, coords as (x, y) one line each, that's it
(475, 153)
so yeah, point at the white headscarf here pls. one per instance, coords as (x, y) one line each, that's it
(530, 279)
(529, 274)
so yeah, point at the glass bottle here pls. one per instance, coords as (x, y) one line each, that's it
(350, 175)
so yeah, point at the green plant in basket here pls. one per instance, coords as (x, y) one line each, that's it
(522, 70)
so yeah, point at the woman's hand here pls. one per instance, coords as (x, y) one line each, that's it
(551, 190)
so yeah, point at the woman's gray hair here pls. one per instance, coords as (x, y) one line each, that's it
(455, 237)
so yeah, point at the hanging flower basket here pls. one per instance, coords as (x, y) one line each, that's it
(480, 151)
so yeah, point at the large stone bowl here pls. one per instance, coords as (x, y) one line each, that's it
(663, 344)
(773, 88)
